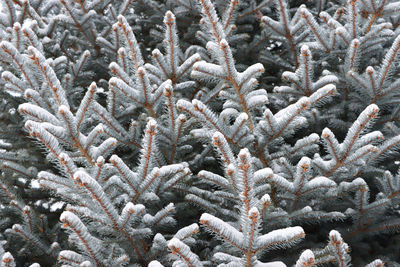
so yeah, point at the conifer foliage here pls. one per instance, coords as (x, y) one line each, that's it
(199, 133)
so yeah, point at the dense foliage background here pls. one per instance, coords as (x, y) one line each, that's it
(199, 133)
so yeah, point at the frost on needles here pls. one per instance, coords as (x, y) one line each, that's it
(199, 133)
